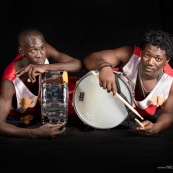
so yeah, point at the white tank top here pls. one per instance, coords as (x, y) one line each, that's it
(25, 98)
(160, 92)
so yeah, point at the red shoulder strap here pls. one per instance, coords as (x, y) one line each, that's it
(168, 70)
(10, 70)
(137, 51)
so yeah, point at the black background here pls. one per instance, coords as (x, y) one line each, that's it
(81, 27)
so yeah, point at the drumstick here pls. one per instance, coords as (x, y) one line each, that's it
(124, 101)
(65, 76)
(128, 105)
(139, 122)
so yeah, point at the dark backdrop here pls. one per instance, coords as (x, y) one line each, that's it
(81, 27)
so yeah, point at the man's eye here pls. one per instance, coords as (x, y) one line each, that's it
(32, 51)
(158, 59)
(43, 48)
(146, 55)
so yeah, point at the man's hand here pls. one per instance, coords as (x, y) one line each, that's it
(32, 70)
(147, 129)
(107, 80)
(47, 131)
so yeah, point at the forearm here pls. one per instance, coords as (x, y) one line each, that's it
(164, 122)
(70, 66)
(10, 130)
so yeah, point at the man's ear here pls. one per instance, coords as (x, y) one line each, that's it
(167, 61)
(20, 50)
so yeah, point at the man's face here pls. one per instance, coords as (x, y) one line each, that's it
(153, 59)
(34, 49)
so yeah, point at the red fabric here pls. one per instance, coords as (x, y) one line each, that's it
(168, 70)
(150, 110)
(10, 70)
(71, 86)
(137, 51)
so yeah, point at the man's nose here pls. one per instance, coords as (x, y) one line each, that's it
(150, 61)
(39, 53)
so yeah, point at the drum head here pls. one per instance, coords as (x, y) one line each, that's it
(97, 108)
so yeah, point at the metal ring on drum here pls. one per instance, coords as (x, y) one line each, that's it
(98, 108)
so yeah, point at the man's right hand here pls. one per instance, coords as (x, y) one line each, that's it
(107, 79)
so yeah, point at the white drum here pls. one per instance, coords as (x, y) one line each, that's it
(97, 108)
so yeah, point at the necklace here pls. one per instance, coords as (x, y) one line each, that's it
(144, 90)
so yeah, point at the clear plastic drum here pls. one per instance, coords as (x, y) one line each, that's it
(54, 97)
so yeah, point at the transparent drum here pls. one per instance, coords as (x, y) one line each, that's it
(54, 97)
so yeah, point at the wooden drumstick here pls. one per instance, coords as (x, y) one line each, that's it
(65, 76)
(124, 101)
(139, 122)
(128, 105)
